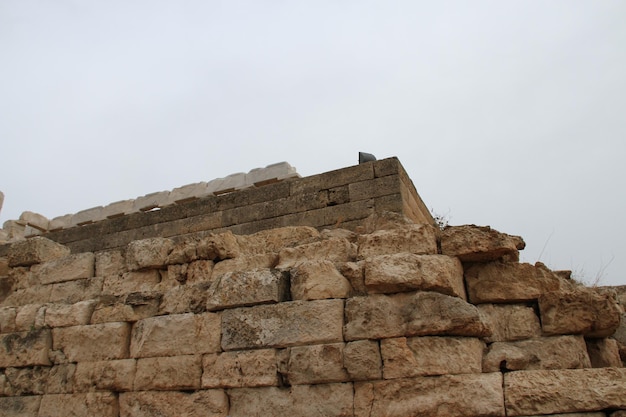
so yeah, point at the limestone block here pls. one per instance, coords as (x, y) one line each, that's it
(30, 316)
(134, 307)
(497, 282)
(471, 243)
(69, 268)
(244, 263)
(316, 364)
(114, 375)
(35, 250)
(317, 280)
(467, 395)
(152, 201)
(249, 368)
(35, 220)
(421, 356)
(228, 184)
(92, 215)
(580, 311)
(334, 250)
(4, 236)
(559, 352)
(60, 222)
(118, 209)
(412, 238)
(74, 291)
(168, 373)
(282, 325)
(353, 271)
(25, 348)
(185, 298)
(509, 322)
(273, 240)
(4, 266)
(564, 391)
(604, 353)
(23, 277)
(92, 343)
(33, 295)
(206, 403)
(411, 314)
(7, 319)
(175, 335)
(362, 360)
(137, 281)
(246, 288)
(183, 252)
(403, 272)
(26, 381)
(217, 247)
(271, 173)
(189, 192)
(329, 400)
(109, 262)
(64, 315)
(13, 230)
(93, 404)
(30, 231)
(200, 271)
(61, 379)
(148, 253)
(21, 406)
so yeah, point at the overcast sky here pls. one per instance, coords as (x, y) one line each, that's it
(504, 113)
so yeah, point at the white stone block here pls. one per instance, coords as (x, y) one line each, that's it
(91, 215)
(271, 173)
(61, 222)
(229, 184)
(189, 192)
(14, 229)
(152, 201)
(35, 220)
(119, 208)
(30, 231)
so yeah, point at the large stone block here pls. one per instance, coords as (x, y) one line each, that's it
(411, 314)
(472, 243)
(509, 322)
(168, 373)
(207, 403)
(468, 395)
(113, 375)
(362, 360)
(316, 364)
(35, 220)
(35, 250)
(318, 280)
(133, 307)
(69, 268)
(93, 404)
(564, 391)
(421, 356)
(152, 201)
(92, 343)
(29, 317)
(403, 272)
(74, 291)
(418, 239)
(498, 282)
(604, 353)
(300, 400)
(335, 250)
(88, 216)
(148, 253)
(273, 240)
(109, 263)
(246, 288)
(25, 348)
(118, 209)
(20, 406)
(64, 315)
(282, 325)
(26, 381)
(250, 368)
(175, 335)
(7, 319)
(580, 311)
(137, 281)
(217, 247)
(185, 299)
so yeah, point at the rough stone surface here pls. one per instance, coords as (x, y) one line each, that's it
(96, 404)
(35, 250)
(69, 268)
(411, 238)
(274, 240)
(20, 406)
(238, 289)
(472, 243)
(112, 375)
(604, 353)
(318, 280)
(130, 282)
(206, 403)
(509, 322)
(25, 348)
(64, 315)
(71, 292)
(92, 343)
(168, 373)
(250, 368)
(334, 250)
(148, 253)
(109, 263)
(316, 364)
(564, 391)
(362, 360)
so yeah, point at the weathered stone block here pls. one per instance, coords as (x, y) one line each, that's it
(25, 348)
(174, 335)
(114, 375)
(207, 403)
(472, 243)
(35, 220)
(61, 379)
(238, 289)
(316, 364)
(334, 250)
(362, 360)
(498, 282)
(411, 314)
(83, 217)
(282, 325)
(134, 307)
(581, 311)
(148, 253)
(448, 395)
(403, 272)
(20, 406)
(564, 391)
(329, 399)
(509, 322)
(33, 295)
(64, 315)
(604, 353)
(151, 201)
(250, 368)
(93, 404)
(35, 250)
(75, 291)
(109, 262)
(168, 373)
(26, 381)
(69, 268)
(30, 316)
(412, 238)
(118, 209)
(318, 280)
(60, 222)
(273, 240)
(217, 247)
(245, 263)
(189, 192)
(86, 343)
(137, 281)
(185, 299)
(421, 356)
(7, 319)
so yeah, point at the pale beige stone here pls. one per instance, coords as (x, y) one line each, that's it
(112, 375)
(7, 319)
(316, 364)
(35, 250)
(137, 281)
(471, 243)
(30, 231)
(69, 268)
(282, 325)
(93, 404)
(168, 373)
(353, 271)
(35, 220)
(29, 316)
(64, 315)
(152, 201)
(20, 406)
(200, 271)
(25, 348)
(318, 280)
(118, 209)
(133, 307)
(333, 250)
(185, 298)
(245, 263)
(559, 352)
(250, 368)
(13, 230)
(148, 253)
(33, 295)
(580, 311)
(604, 353)
(509, 322)
(4, 266)
(174, 335)
(61, 379)
(92, 343)
(246, 288)
(300, 400)
(273, 240)
(403, 272)
(418, 239)
(110, 262)
(26, 381)
(271, 173)
(362, 360)
(205, 403)
(421, 356)
(60, 222)
(189, 192)
(23, 277)
(218, 247)
(467, 395)
(564, 391)
(411, 314)
(88, 216)
(74, 291)
(497, 282)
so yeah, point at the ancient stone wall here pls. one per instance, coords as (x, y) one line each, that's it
(391, 318)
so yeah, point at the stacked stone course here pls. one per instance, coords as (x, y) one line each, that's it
(391, 318)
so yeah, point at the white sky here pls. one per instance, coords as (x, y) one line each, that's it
(510, 114)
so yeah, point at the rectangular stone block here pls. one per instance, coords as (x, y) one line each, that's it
(509, 322)
(26, 381)
(130, 282)
(362, 360)
(91, 215)
(64, 315)
(60, 222)
(7, 319)
(250, 368)
(74, 291)
(564, 391)
(25, 348)
(332, 179)
(35, 220)
(189, 192)
(35, 250)
(206, 403)
(270, 174)
(113, 375)
(228, 184)
(177, 334)
(69, 268)
(168, 373)
(110, 262)
(318, 280)
(377, 187)
(468, 395)
(118, 209)
(152, 201)
(419, 239)
(149, 253)
(333, 250)
(472, 243)
(20, 406)
(29, 316)
(133, 307)
(92, 343)
(246, 288)
(92, 404)
(282, 325)
(316, 364)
